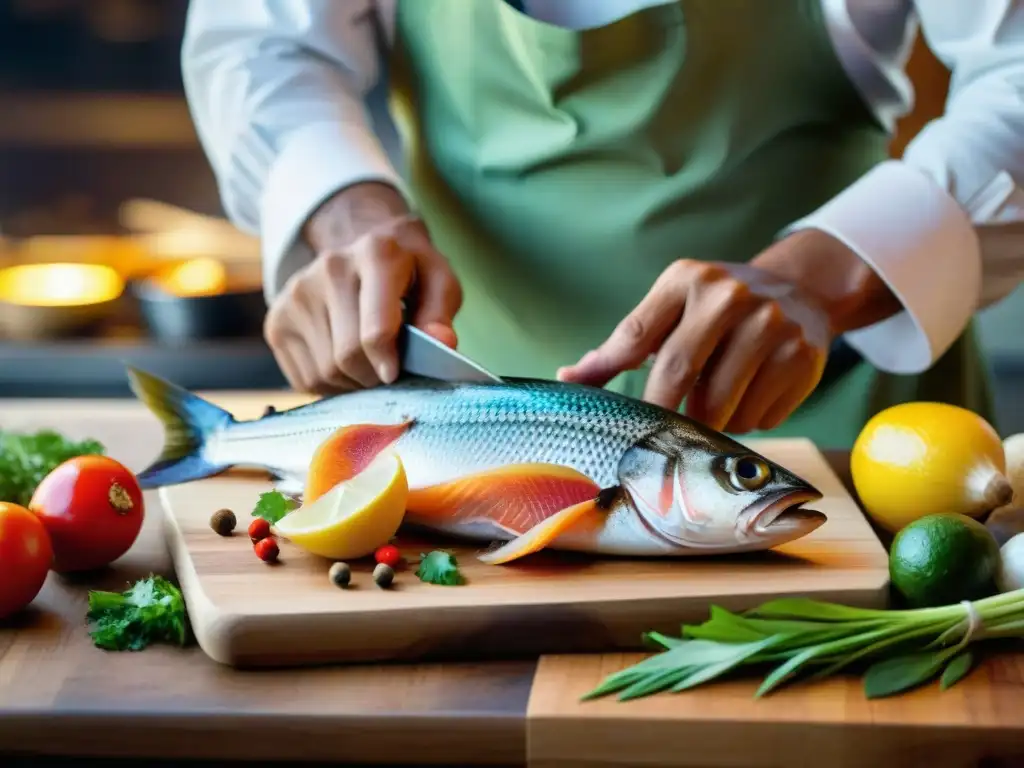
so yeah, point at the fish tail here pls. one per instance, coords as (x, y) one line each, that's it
(188, 422)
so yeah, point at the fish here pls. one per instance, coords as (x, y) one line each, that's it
(523, 464)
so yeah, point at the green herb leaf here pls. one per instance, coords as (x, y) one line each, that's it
(815, 610)
(654, 682)
(152, 610)
(879, 640)
(687, 664)
(26, 458)
(787, 669)
(439, 567)
(273, 505)
(661, 641)
(742, 652)
(727, 627)
(956, 670)
(798, 633)
(902, 673)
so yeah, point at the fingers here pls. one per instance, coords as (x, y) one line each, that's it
(439, 296)
(295, 365)
(318, 345)
(808, 363)
(635, 338)
(784, 380)
(290, 350)
(713, 310)
(725, 380)
(384, 273)
(344, 353)
(737, 355)
(335, 324)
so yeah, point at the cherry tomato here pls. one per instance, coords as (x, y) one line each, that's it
(259, 529)
(93, 509)
(389, 555)
(26, 555)
(266, 549)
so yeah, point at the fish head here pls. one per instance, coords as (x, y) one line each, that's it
(699, 489)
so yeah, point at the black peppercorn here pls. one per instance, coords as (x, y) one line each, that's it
(383, 575)
(340, 574)
(223, 521)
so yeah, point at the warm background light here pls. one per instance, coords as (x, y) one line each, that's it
(196, 277)
(59, 285)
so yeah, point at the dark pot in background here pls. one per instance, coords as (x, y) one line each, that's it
(237, 311)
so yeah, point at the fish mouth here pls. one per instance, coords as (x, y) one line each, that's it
(784, 514)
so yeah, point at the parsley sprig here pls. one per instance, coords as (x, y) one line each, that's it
(273, 505)
(152, 610)
(26, 458)
(439, 567)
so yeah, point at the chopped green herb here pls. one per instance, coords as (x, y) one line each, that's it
(273, 505)
(439, 567)
(152, 610)
(26, 458)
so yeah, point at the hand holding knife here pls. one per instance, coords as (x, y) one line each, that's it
(423, 355)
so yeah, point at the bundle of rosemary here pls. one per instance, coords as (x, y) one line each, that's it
(908, 647)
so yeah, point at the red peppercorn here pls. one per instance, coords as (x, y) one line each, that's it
(266, 549)
(259, 529)
(389, 555)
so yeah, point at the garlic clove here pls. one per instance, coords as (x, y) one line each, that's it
(1011, 568)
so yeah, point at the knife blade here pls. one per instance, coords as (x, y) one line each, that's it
(423, 355)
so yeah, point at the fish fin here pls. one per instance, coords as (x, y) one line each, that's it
(542, 534)
(515, 497)
(188, 421)
(346, 453)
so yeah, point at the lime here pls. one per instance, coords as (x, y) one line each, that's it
(943, 559)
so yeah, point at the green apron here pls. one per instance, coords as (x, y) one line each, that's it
(561, 171)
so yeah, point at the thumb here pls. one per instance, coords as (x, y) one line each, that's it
(438, 298)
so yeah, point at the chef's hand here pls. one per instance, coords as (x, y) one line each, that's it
(335, 323)
(744, 344)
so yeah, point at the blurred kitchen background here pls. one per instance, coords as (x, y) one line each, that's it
(100, 167)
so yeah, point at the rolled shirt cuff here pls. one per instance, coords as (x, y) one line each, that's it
(315, 163)
(922, 244)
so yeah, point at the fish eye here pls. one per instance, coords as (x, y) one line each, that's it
(749, 473)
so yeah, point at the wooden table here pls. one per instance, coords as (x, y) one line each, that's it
(59, 696)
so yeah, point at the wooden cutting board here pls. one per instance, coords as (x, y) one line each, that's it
(248, 613)
(806, 724)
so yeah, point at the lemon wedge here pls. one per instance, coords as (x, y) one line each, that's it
(355, 517)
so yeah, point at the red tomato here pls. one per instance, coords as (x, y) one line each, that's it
(93, 509)
(389, 555)
(25, 558)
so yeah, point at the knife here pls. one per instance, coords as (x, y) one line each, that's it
(423, 355)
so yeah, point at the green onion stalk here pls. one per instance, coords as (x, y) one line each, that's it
(907, 647)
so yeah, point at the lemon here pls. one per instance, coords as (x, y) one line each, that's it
(355, 517)
(918, 459)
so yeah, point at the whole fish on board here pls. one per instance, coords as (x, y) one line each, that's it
(531, 463)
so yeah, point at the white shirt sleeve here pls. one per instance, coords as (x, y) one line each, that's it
(944, 226)
(277, 93)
